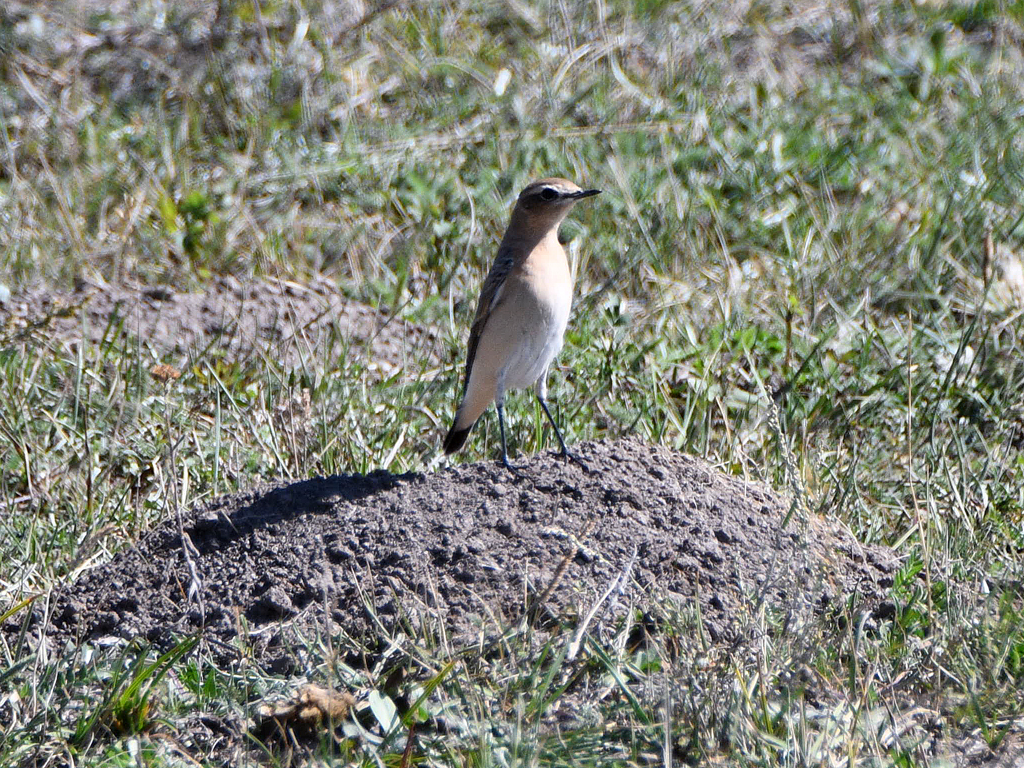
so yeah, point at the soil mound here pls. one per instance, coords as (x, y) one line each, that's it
(474, 548)
(277, 321)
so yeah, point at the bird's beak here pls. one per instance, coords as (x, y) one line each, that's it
(586, 193)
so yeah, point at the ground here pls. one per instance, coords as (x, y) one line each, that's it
(281, 323)
(620, 544)
(639, 535)
(474, 549)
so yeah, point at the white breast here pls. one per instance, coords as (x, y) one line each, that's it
(543, 292)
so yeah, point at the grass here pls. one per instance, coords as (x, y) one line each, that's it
(794, 195)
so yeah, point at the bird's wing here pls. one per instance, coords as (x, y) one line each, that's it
(490, 297)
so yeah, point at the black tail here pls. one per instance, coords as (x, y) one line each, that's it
(456, 438)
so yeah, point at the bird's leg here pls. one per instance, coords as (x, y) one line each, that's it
(504, 450)
(566, 453)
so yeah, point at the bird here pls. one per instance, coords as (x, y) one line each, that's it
(522, 312)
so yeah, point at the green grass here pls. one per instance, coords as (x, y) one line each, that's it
(816, 219)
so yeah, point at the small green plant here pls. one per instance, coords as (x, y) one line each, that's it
(128, 702)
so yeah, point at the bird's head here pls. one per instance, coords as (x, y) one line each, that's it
(552, 195)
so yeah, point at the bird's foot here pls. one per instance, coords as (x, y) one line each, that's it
(565, 453)
(512, 467)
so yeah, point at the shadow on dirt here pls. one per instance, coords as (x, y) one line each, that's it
(217, 527)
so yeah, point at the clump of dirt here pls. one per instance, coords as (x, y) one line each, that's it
(471, 546)
(278, 321)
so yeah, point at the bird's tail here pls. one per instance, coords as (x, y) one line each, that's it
(456, 437)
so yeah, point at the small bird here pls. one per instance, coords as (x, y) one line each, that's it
(523, 310)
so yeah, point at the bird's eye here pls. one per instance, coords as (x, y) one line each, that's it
(548, 194)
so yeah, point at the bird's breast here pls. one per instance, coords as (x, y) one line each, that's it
(539, 297)
(545, 274)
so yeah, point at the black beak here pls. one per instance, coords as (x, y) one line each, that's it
(586, 193)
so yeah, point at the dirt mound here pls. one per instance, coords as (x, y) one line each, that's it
(471, 546)
(266, 320)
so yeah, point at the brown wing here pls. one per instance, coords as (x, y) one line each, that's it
(489, 298)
